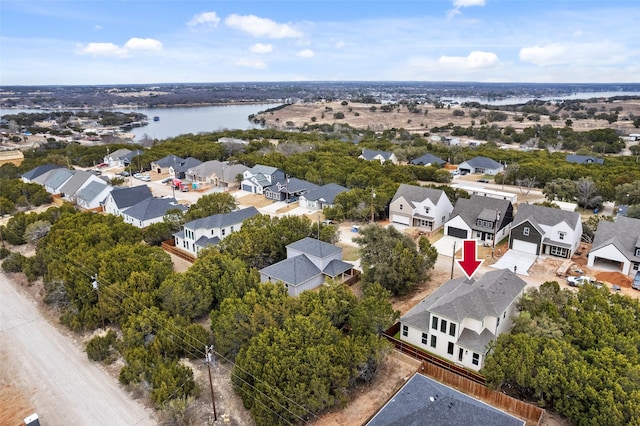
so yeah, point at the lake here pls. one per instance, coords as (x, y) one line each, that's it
(179, 121)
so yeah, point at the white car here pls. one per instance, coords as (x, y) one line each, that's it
(578, 281)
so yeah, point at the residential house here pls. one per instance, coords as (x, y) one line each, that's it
(92, 196)
(120, 199)
(289, 189)
(179, 170)
(163, 165)
(210, 230)
(425, 401)
(56, 179)
(616, 244)
(319, 198)
(259, 177)
(462, 316)
(428, 160)
(481, 218)
(473, 189)
(545, 230)
(150, 211)
(583, 159)
(121, 158)
(425, 208)
(481, 165)
(381, 156)
(36, 172)
(309, 262)
(79, 180)
(217, 173)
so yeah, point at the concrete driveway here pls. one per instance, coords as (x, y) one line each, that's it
(444, 245)
(522, 261)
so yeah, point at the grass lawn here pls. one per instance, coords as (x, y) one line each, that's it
(349, 252)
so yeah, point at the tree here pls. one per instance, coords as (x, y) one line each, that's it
(210, 204)
(561, 190)
(628, 193)
(587, 193)
(390, 258)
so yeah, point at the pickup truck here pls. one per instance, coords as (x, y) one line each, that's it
(578, 281)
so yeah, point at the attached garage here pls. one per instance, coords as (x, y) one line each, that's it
(457, 232)
(396, 218)
(525, 247)
(247, 188)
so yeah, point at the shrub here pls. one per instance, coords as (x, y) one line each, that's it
(100, 348)
(13, 262)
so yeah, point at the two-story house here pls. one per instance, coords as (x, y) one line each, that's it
(120, 199)
(480, 218)
(121, 158)
(420, 207)
(309, 262)
(616, 243)
(460, 318)
(545, 230)
(210, 230)
(163, 165)
(259, 177)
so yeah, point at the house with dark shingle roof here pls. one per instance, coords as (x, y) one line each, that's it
(428, 160)
(121, 157)
(289, 189)
(480, 218)
(481, 165)
(150, 211)
(583, 159)
(259, 177)
(179, 170)
(162, 165)
(120, 199)
(425, 208)
(381, 156)
(460, 318)
(616, 243)
(78, 181)
(545, 230)
(29, 176)
(217, 173)
(92, 196)
(309, 262)
(319, 198)
(201, 233)
(56, 179)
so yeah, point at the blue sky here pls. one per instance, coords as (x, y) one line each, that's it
(164, 41)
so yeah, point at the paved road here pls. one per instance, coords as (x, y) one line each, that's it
(57, 378)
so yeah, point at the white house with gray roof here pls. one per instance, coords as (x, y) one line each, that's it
(121, 157)
(480, 218)
(92, 196)
(259, 177)
(32, 174)
(616, 244)
(381, 156)
(481, 165)
(545, 230)
(150, 211)
(319, 198)
(425, 208)
(56, 179)
(309, 262)
(163, 165)
(459, 319)
(78, 181)
(120, 199)
(210, 230)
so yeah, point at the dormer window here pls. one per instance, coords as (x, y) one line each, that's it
(561, 235)
(525, 231)
(426, 210)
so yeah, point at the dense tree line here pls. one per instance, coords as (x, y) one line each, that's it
(575, 352)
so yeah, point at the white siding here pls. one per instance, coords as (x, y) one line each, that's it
(612, 253)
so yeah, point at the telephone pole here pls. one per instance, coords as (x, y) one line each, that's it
(453, 259)
(373, 196)
(209, 359)
(96, 287)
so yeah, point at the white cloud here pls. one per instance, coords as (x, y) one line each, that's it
(475, 60)
(459, 4)
(97, 27)
(306, 53)
(143, 44)
(340, 44)
(600, 53)
(250, 63)
(261, 48)
(209, 19)
(261, 27)
(113, 50)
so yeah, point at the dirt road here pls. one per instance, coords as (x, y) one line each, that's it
(54, 376)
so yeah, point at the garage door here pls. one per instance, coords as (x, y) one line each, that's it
(457, 232)
(401, 219)
(525, 247)
(247, 188)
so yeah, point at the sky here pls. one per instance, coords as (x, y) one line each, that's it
(55, 42)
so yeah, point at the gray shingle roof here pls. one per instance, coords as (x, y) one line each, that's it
(336, 267)
(370, 154)
(35, 172)
(222, 220)
(475, 342)
(206, 241)
(624, 234)
(118, 154)
(470, 209)
(483, 163)
(127, 197)
(314, 247)
(547, 216)
(293, 271)
(424, 401)
(186, 164)
(326, 193)
(418, 194)
(58, 177)
(294, 185)
(583, 159)
(91, 191)
(259, 169)
(77, 180)
(169, 161)
(427, 159)
(152, 208)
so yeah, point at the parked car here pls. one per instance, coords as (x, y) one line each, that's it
(578, 281)
(166, 180)
(123, 174)
(636, 282)
(483, 180)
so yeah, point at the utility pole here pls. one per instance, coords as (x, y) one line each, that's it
(495, 231)
(208, 360)
(373, 196)
(453, 259)
(96, 287)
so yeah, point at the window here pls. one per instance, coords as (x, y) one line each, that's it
(452, 329)
(561, 235)
(443, 326)
(498, 323)
(426, 209)
(433, 341)
(525, 231)
(401, 206)
(424, 338)
(558, 251)
(450, 348)
(224, 231)
(231, 228)
(476, 359)
(434, 323)
(460, 353)
(504, 314)
(637, 251)
(636, 266)
(405, 330)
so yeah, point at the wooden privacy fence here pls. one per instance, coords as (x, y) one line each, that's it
(170, 247)
(521, 409)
